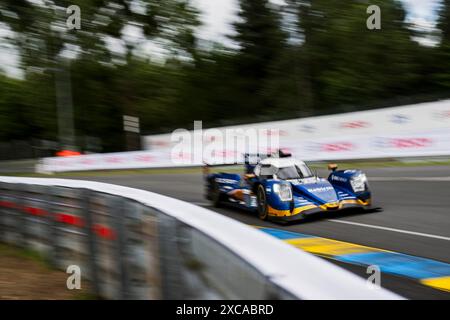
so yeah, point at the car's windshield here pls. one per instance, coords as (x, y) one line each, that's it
(267, 170)
(294, 172)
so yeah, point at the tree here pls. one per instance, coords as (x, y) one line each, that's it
(442, 60)
(261, 40)
(103, 81)
(349, 64)
(444, 21)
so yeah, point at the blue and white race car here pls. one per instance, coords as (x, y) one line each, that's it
(281, 188)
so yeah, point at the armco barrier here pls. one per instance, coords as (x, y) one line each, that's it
(134, 244)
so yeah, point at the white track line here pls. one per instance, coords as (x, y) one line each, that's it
(391, 229)
(432, 179)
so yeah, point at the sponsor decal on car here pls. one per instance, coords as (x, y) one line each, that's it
(320, 189)
(337, 178)
(228, 181)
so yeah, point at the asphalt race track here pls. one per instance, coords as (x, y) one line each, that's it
(415, 219)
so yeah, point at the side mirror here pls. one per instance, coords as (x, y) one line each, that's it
(332, 166)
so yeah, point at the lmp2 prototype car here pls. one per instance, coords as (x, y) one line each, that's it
(283, 189)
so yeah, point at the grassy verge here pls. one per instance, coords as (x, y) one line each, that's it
(385, 163)
(109, 172)
(25, 274)
(238, 168)
(6, 250)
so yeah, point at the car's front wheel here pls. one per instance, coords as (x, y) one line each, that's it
(262, 203)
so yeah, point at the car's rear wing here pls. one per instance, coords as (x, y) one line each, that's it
(250, 161)
(206, 168)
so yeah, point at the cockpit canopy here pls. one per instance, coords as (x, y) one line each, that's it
(283, 169)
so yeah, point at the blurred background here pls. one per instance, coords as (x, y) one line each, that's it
(224, 62)
(136, 70)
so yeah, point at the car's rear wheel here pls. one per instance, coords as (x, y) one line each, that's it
(262, 203)
(216, 195)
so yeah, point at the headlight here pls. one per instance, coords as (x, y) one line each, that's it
(359, 183)
(284, 191)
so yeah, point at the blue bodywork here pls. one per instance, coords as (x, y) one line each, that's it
(308, 196)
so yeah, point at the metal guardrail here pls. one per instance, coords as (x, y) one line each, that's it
(134, 244)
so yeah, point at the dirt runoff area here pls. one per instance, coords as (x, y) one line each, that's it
(25, 276)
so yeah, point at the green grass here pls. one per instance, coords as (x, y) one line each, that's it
(108, 172)
(85, 296)
(238, 168)
(22, 253)
(384, 164)
(26, 254)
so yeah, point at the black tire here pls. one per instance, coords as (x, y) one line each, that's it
(261, 199)
(216, 195)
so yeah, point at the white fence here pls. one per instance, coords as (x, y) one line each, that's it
(134, 244)
(407, 131)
